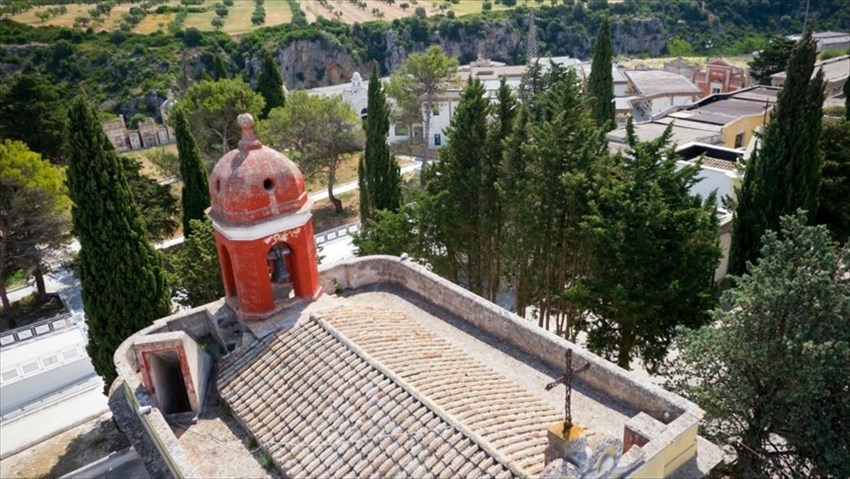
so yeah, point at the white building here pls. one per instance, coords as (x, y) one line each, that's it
(638, 93)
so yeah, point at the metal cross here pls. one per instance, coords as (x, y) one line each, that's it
(567, 380)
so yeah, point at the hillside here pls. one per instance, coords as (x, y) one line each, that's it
(131, 73)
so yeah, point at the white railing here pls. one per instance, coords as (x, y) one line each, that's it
(336, 233)
(40, 328)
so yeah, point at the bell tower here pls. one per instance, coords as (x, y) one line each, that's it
(260, 212)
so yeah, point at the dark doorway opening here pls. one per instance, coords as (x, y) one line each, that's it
(167, 377)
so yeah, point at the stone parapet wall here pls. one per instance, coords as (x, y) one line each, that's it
(150, 434)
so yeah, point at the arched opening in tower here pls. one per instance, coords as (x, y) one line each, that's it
(227, 272)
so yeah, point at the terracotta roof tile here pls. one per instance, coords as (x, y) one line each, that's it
(322, 410)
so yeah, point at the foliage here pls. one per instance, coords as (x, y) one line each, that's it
(123, 286)
(678, 47)
(772, 59)
(652, 249)
(455, 186)
(771, 371)
(166, 162)
(34, 210)
(270, 85)
(834, 205)
(378, 173)
(389, 232)
(419, 81)
(31, 111)
(847, 99)
(157, 206)
(194, 269)
(195, 195)
(600, 84)
(211, 107)
(219, 69)
(320, 129)
(784, 173)
(548, 160)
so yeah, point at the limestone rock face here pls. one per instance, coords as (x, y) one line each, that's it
(310, 63)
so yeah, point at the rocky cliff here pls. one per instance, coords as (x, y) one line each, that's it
(323, 61)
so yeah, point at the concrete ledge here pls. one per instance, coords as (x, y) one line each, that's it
(103, 465)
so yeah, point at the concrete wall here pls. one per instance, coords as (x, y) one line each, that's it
(714, 179)
(17, 395)
(746, 125)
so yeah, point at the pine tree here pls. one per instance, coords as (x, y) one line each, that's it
(123, 286)
(270, 85)
(600, 84)
(784, 173)
(378, 172)
(195, 195)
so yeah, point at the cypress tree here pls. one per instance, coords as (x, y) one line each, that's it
(492, 213)
(378, 172)
(456, 185)
(219, 70)
(270, 85)
(784, 173)
(123, 286)
(847, 99)
(195, 196)
(600, 84)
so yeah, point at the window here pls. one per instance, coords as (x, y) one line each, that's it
(438, 140)
(715, 91)
(30, 367)
(739, 140)
(401, 131)
(49, 361)
(435, 109)
(9, 375)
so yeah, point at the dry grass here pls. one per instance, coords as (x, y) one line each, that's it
(324, 217)
(347, 172)
(149, 169)
(74, 10)
(352, 14)
(153, 22)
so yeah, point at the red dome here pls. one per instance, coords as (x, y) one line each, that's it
(254, 182)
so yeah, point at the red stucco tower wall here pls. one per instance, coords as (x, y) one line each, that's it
(259, 204)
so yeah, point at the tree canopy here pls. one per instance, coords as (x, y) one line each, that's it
(320, 130)
(784, 173)
(211, 108)
(378, 172)
(195, 273)
(158, 208)
(123, 286)
(772, 59)
(34, 210)
(270, 85)
(834, 205)
(32, 111)
(195, 194)
(600, 83)
(418, 83)
(771, 371)
(653, 248)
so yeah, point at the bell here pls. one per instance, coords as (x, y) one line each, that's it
(280, 274)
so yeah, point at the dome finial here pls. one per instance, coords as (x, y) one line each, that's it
(249, 140)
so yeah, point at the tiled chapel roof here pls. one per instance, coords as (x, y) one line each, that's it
(366, 391)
